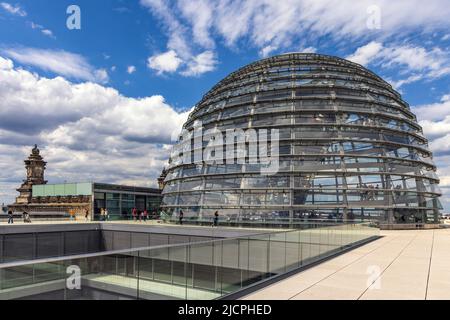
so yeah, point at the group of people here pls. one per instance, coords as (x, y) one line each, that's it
(139, 215)
(136, 215)
(25, 216)
(371, 192)
(73, 215)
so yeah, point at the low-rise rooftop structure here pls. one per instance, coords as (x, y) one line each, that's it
(58, 201)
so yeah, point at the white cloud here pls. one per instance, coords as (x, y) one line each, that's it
(15, 10)
(399, 83)
(6, 64)
(435, 121)
(148, 120)
(170, 62)
(414, 62)
(174, 28)
(43, 30)
(195, 26)
(131, 69)
(48, 33)
(199, 13)
(181, 55)
(366, 53)
(308, 50)
(267, 50)
(51, 105)
(46, 103)
(435, 118)
(200, 64)
(413, 58)
(165, 62)
(35, 25)
(60, 62)
(101, 75)
(86, 131)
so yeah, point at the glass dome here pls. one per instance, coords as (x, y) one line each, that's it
(348, 147)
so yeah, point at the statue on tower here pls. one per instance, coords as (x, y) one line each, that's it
(35, 166)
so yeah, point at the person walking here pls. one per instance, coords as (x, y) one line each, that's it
(216, 219)
(86, 215)
(180, 217)
(163, 216)
(145, 215)
(71, 215)
(133, 213)
(106, 215)
(26, 217)
(10, 217)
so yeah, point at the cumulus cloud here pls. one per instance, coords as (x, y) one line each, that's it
(86, 131)
(170, 62)
(13, 9)
(61, 62)
(49, 104)
(435, 121)
(6, 64)
(434, 111)
(132, 120)
(165, 62)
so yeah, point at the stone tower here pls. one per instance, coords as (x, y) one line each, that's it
(161, 179)
(35, 166)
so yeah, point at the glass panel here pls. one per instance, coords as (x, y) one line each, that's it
(204, 270)
(277, 257)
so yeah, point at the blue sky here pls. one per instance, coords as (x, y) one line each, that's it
(120, 34)
(112, 94)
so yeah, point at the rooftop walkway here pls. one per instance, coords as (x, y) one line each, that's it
(400, 265)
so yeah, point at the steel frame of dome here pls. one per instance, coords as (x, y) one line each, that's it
(349, 147)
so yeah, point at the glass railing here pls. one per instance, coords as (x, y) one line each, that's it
(262, 222)
(203, 270)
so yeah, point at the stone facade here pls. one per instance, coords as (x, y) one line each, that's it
(46, 207)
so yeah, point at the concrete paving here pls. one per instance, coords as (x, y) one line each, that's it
(407, 265)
